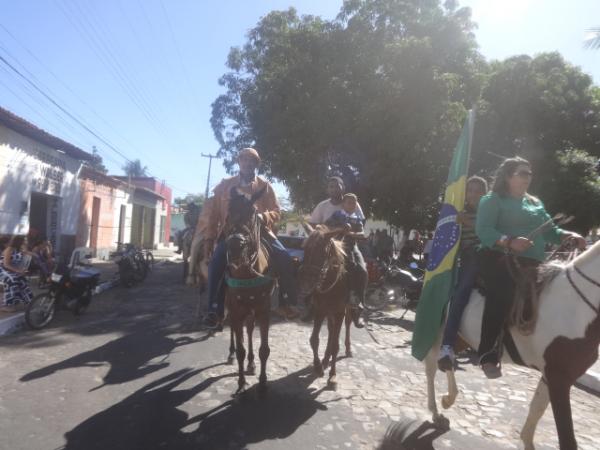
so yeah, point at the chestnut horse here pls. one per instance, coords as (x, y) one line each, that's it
(563, 345)
(323, 276)
(248, 288)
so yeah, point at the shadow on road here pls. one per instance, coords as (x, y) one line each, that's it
(150, 418)
(383, 320)
(130, 357)
(411, 435)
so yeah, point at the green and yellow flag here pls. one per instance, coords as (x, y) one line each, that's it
(439, 277)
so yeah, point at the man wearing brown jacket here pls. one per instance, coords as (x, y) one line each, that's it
(212, 227)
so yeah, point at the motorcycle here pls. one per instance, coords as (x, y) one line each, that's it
(390, 284)
(70, 288)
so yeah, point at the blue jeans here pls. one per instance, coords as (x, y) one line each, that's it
(466, 279)
(281, 263)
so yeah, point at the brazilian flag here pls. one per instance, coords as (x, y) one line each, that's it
(439, 277)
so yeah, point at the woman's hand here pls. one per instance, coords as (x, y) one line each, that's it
(519, 244)
(577, 239)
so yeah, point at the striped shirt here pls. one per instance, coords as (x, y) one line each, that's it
(468, 238)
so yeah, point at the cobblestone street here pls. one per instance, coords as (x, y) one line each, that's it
(136, 373)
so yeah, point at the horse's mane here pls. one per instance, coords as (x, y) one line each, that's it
(316, 237)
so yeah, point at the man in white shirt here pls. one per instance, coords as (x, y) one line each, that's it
(323, 212)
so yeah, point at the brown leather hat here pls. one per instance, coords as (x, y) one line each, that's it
(248, 151)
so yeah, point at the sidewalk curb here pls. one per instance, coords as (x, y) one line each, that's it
(11, 324)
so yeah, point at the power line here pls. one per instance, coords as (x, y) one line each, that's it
(71, 116)
(65, 85)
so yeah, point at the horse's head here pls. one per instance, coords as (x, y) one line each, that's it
(244, 238)
(322, 254)
(239, 251)
(242, 212)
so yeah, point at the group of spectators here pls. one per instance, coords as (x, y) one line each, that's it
(20, 255)
(379, 245)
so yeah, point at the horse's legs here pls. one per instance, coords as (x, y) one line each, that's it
(538, 405)
(348, 320)
(263, 318)
(327, 355)
(430, 371)
(560, 399)
(251, 369)
(335, 347)
(231, 345)
(237, 324)
(449, 398)
(314, 343)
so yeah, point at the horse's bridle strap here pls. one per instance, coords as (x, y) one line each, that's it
(248, 282)
(581, 294)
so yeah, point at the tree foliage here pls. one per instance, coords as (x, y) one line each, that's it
(381, 88)
(135, 169)
(539, 108)
(574, 188)
(97, 163)
(183, 202)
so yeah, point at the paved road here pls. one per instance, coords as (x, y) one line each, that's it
(136, 373)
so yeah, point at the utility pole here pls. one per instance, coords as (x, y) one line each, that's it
(209, 166)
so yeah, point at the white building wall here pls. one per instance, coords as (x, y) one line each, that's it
(123, 197)
(28, 166)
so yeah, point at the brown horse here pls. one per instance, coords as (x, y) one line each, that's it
(249, 288)
(323, 276)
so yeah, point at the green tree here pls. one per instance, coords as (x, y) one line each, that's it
(183, 202)
(536, 108)
(135, 169)
(97, 163)
(383, 88)
(574, 189)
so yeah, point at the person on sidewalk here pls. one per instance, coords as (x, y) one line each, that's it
(467, 270)
(213, 224)
(12, 275)
(322, 212)
(505, 218)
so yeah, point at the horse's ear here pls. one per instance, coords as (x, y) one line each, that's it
(257, 195)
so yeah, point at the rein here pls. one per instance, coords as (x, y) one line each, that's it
(250, 262)
(579, 292)
(324, 270)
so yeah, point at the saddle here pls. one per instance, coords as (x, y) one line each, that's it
(528, 286)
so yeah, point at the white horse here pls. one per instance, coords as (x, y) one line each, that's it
(562, 347)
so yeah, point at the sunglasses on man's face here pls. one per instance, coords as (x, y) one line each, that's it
(524, 173)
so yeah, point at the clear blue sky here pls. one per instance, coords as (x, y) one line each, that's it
(143, 73)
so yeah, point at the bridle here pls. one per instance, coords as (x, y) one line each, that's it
(324, 269)
(241, 233)
(579, 292)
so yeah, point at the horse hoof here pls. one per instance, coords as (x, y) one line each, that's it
(441, 423)
(447, 402)
(319, 371)
(332, 383)
(348, 353)
(251, 370)
(230, 359)
(325, 363)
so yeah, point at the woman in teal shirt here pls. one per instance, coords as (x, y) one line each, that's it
(506, 217)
